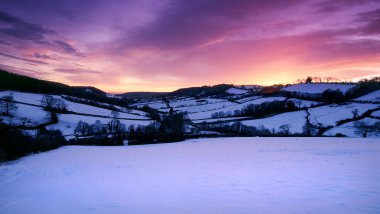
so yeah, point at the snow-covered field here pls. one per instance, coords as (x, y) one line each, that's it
(30, 98)
(232, 108)
(349, 130)
(27, 115)
(371, 97)
(222, 175)
(236, 91)
(68, 122)
(30, 115)
(329, 115)
(296, 121)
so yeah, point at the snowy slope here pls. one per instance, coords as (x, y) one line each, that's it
(304, 103)
(87, 109)
(33, 115)
(232, 108)
(190, 102)
(317, 88)
(35, 99)
(206, 107)
(371, 97)
(247, 99)
(348, 129)
(296, 120)
(159, 104)
(223, 175)
(236, 91)
(30, 115)
(329, 115)
(29, 98)
(226, 119)
(376, 114)
(68, 122)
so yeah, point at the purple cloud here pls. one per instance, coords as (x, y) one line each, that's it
(192, 23)
(372, 20)
(330, 6)
(76, 71)
(67, 48)
(23, 59)
(22, 71)
(20, 29)
(42, 56)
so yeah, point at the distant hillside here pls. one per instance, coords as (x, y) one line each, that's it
(202, 91)
(134, 95)
(11, 81)
(318, 88)
(89, 89)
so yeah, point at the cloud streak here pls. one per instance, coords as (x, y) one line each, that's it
(20, 29)
(125, 45)
(76, 71)
(198, 22)
(68, 48)
(23, 59)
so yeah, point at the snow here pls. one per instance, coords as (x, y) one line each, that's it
(29, 98)
(184, 102)
(236, 91)
(330, 114)
(296, 120)
(348, 129)
(205, 107)
(189, 105)
(317, 88)
(35, 99)
(232, 108)
(190, 102)
(35, 115)
(376, 114)
(247, 99)
(121, 109)
(87, 109)
(68, 122)
(226, 119)
(371, 97)
(304, 103)
(220, 175)
(154, 104)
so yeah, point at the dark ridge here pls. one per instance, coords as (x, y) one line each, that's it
(135, 95)
(90, 89)
(16, 82)
(203, 91)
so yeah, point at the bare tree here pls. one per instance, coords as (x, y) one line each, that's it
(364, 128)
(355, 112)
(51, 103)
(285, 129)
(82, 128)
(115, 114)
(96, 127)
(297, 103)
(309, 80)
(317, 79)
(377, 127)
(7, 105)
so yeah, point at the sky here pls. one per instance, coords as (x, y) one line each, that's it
(149, 45)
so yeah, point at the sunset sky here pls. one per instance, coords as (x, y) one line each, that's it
(163, 45)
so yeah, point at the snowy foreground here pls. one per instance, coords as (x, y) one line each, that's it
(225, 175)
